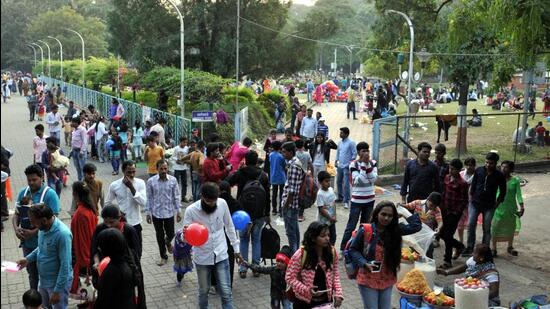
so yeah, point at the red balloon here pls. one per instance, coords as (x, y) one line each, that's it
(103, 264)
(196, 234)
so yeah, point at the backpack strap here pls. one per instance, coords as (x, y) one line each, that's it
(44, 194)
(367, 232)
(26, 191)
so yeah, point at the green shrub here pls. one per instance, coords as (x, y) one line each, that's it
(269, 101)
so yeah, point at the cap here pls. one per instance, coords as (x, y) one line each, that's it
(322, 119)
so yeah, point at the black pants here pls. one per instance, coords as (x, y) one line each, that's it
(164, 230)
(181, 176)
(443, 125)
(351, 108)
(32, 111)
(450, 223)
(138, 229)
(277, 191)
(94, 149)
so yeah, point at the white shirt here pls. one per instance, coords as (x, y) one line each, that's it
(51, 118)
(179, 153)
(160, 130)
(309, 127)
(100, 131)
(215, 249)
(128, 204)
(326, 199)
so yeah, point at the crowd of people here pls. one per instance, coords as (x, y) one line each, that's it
(63, 260)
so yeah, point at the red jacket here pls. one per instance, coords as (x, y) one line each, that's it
(213, 171)
(83, 224)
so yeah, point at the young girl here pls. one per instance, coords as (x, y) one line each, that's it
(277, 274)
(467, 174)
(137, 141)
(41, 108)
(182, 257)
(114, 152)
(122, 130)
(380, 260)
(313, 270)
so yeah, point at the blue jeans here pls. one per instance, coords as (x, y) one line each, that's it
(57, 185)
(375, 299)
(309, 96)
(56, 135)
(223, 279)
(342, 183)
(79, 158)
(356, 211)
(256, 233)
(195, 186)
(32, 269)
(63, 299)
(473, 213)
(292, 229)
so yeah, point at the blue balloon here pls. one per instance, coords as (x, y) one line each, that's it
(240, 220)
(548, 118)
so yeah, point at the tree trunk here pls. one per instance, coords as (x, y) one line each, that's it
(461, 121)
(527, 76)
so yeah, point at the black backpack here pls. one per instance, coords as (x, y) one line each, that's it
(270, 242)
(253, 198)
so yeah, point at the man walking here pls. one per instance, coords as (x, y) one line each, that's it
(180, 167)
(53, 257)
(345, 153)
(364, 173)
(486, 182)
(130, 194)
(421, 176)
(35, 193)
(163, 203)
(308, 129)
(53, 119)
(79, 144)
(253, 195)
(291, 191)
(213, 213)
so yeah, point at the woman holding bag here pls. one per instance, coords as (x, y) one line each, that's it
(312, 277)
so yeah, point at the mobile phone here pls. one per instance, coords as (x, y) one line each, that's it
(376, 266)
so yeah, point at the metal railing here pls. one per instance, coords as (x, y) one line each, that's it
(176, 126)
(495, 134)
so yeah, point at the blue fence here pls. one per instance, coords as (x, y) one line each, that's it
(176, 126)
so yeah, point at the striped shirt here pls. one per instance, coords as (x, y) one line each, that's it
(295, 177)
(163, 197)
(363, 175)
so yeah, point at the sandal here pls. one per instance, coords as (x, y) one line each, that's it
(512, 252)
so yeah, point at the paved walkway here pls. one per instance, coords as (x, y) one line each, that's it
(522, 277)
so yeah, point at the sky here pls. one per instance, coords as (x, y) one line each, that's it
(304, 2)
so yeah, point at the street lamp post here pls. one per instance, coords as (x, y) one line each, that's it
(423, 56)
(34, 51)
(60, 55)
(49, 58)
(41, 56)
(83, 60)
(182, 58)
(350, 49)
(410, 76)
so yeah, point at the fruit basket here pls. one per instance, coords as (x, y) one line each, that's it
(438, 300)
(408, 255)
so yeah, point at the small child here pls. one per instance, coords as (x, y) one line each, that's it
(182, 257)
(427, 209)
(277, 274)
(326, 204)
(67, 130)
(41, 111)
(32, 299)
(540, 134)
(114, 151)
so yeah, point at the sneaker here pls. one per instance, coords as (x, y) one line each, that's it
(346, 205)
(162, 262)
(467, 253)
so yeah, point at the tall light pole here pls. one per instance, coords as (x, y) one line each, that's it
(83, 59)
(182, 58)
(41, 56)
(49, 57)
(34, 51)
(350, 49)
(60, 55)
(410, 77)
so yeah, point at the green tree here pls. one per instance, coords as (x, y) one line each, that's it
(469, 32)
(55, 23)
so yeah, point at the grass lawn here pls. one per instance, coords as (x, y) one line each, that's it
(494, 135)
